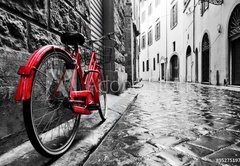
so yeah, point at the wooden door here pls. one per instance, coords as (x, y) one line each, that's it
(236, 62)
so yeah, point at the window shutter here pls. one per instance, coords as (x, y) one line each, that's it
(171, 18)
(156, 31)
(176, 19)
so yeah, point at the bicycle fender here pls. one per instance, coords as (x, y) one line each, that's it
(23, 91)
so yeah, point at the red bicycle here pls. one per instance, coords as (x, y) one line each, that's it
(56, 92)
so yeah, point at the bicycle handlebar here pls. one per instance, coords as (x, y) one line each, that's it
(108, 35)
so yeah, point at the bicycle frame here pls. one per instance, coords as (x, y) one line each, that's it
(90, 78)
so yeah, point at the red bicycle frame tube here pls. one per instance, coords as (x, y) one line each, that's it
(90, 79)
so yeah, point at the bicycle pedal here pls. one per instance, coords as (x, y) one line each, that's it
(92, 106)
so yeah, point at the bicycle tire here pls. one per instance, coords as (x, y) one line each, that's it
(38, 128)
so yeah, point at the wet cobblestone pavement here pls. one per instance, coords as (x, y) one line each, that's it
(175, 124)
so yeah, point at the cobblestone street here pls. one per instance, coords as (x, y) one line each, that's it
(175, 124)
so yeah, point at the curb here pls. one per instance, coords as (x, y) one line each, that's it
(109, 131)
(79, 155)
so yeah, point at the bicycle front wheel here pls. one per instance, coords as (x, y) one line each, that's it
(102, 97)
(50, 123)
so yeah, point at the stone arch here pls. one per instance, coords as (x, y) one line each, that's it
(205, 59)
(174, 68)
(234, 45)
(189, 64)
(196, 65)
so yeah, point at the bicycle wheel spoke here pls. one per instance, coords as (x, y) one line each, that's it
(43, 74)
(46, 89)
(69, 127)
(44, 129)
(39, 109)
(41, 119)
(59, 119)
(63, 130)
(48, 125)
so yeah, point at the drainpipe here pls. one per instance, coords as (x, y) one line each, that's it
(132, 53)
(194, 33)
(166, 59)
(159, 65)
(139, 39)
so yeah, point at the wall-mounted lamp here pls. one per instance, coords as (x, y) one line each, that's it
(189, 11)
(219, 28)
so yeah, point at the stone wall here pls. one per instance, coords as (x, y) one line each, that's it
(128, 42)
(26, 25)
(115, 21)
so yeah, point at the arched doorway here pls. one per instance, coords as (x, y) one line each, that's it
(174, 62)
(205, 59)
(189, 64)
(196, 65)
(234, 39)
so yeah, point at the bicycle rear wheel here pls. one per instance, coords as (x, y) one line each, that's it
(50, 123)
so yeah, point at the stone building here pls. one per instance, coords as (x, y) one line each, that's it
(115, 53)
(153, 39)
(26, 25)
(207, 54)
(217, 42)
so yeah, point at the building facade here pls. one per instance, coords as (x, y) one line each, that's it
(217, 40)
(152, 60)
(202, 41)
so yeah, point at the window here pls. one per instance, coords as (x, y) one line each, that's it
(154, 64)
(174, 16)
(143, 16)
(143, 41)
(157, 31)
(150, 38)
(143, 67)
(162, 69)
(147, 65)
(204, 6)
(150, 9)
(174, 46)
(158, 58)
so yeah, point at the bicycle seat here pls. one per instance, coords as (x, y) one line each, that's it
(72, 38)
